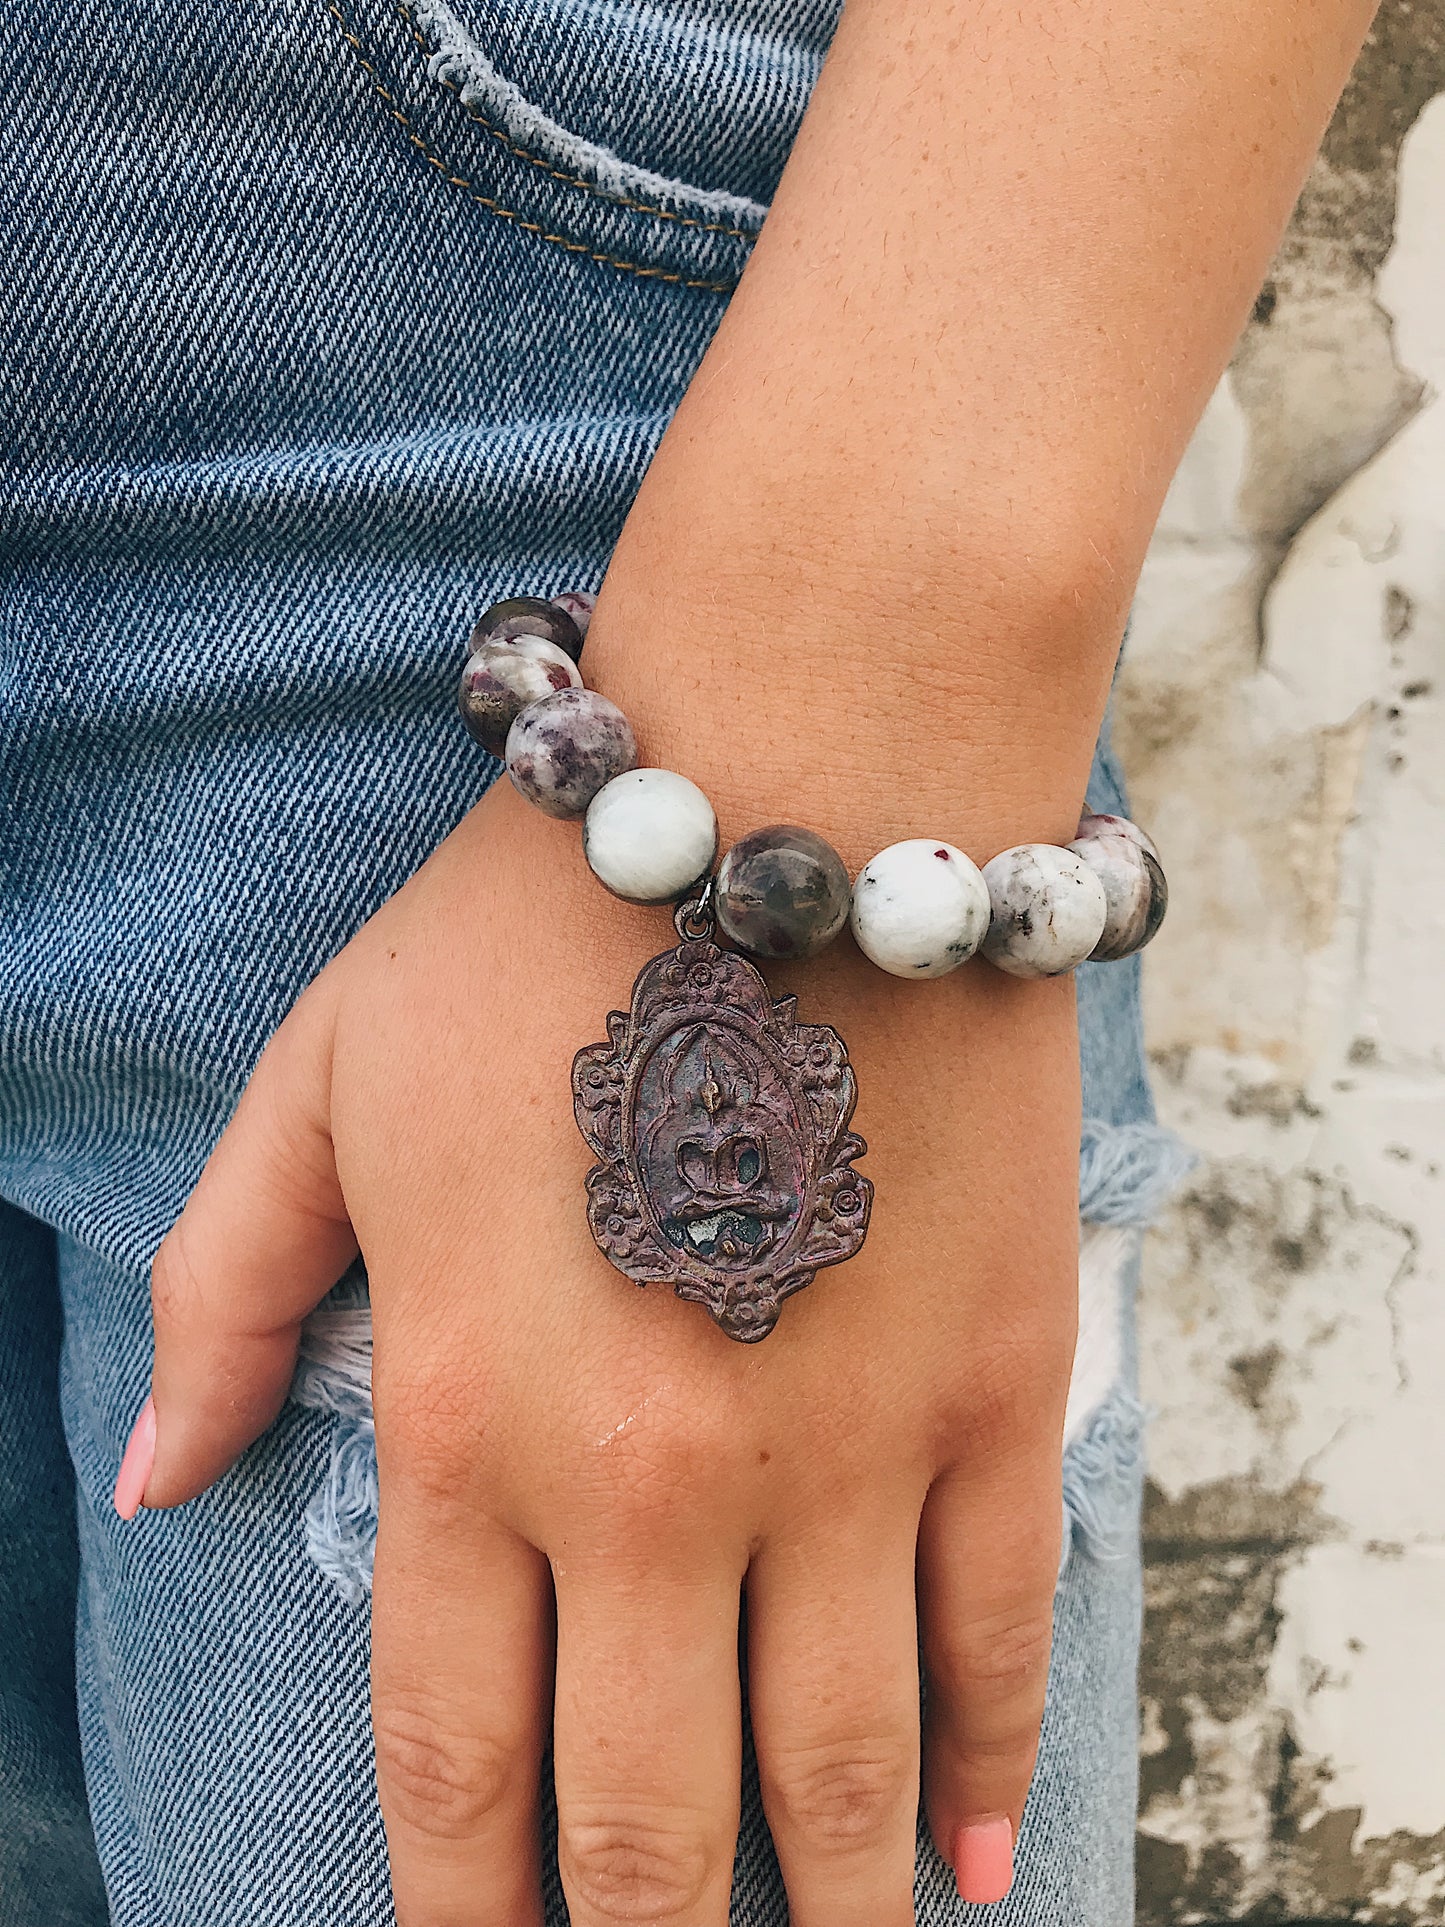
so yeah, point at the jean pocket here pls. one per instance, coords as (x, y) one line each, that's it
(648, 137)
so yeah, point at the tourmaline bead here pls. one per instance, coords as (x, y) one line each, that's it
(501, 678)
(1136, 894)
(579, 604)
(527, 615)
(782, 892)
(561, 750)
(650, 835)
(920, 908)
(1047, 910)
(1101, 825)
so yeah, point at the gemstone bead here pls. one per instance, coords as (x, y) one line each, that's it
(1048, 910)
(579, 604)
(1136, 894)
(561, 750)
(650, 835)
(1090, 826)
(501, 678)
(782, 892)
(527, 615)
(920, 908)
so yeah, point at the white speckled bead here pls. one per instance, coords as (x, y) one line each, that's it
(1091, 826)
(1048, 910)
(561, 750)
(1135, 892)
(501, 678)
(649, 835)
(920, 908)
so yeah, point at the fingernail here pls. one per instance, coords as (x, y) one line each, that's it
(135, 1467)
(983, 1860)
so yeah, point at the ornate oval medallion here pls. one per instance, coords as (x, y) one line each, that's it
(721, 1123)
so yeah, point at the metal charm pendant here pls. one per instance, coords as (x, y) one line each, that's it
(721, 1123)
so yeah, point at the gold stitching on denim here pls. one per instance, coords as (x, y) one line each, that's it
(434, 159)
(569, 180)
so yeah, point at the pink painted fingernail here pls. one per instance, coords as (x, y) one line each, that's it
(135, 1467)
(983, 1860)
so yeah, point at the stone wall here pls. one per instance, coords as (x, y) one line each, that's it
(1283, 719)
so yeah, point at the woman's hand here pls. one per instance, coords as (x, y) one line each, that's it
(902, 510)
(542, 1424)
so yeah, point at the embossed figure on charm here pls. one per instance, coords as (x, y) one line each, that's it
(722, 1126)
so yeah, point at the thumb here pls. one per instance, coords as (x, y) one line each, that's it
(262, 1239)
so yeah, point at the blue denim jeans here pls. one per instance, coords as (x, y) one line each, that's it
(332, 321)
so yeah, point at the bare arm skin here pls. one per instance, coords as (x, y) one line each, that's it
(874, 582)
(1010, 256)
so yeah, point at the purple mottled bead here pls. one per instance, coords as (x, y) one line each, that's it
(579, 604)
(1136, 894)
(782, 892)
(1100, 825)
(501, 678)
(527, 615)
(561, 750)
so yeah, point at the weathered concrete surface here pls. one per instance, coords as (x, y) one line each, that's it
(1283, 719)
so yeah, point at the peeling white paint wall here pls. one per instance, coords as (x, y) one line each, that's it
(1283, 721)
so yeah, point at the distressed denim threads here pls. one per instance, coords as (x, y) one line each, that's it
(329, 322)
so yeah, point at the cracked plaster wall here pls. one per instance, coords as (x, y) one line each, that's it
(1282, 714)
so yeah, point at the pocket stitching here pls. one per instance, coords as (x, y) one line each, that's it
(557, 174)
(567, 242)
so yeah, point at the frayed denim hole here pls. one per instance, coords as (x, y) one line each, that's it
(333, 1374)
(1103, 1477)
(340, 1522)
(1128, 1172)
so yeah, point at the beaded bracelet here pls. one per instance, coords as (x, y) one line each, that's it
(719, 1120)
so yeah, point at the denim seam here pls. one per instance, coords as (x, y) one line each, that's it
(473, 193)
(557, 174)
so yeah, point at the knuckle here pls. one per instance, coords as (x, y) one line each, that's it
(1014, 1394)
(843, 1794)
(177, 1298)
(1007, 1653)
(1015, 1376)
(675, 1456)
(429, 1431)
(620, 1867)
(437, 1782)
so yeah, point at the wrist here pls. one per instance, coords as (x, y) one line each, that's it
(870, 715)
(783, 891)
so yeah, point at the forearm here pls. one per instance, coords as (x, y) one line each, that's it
(893, 531)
